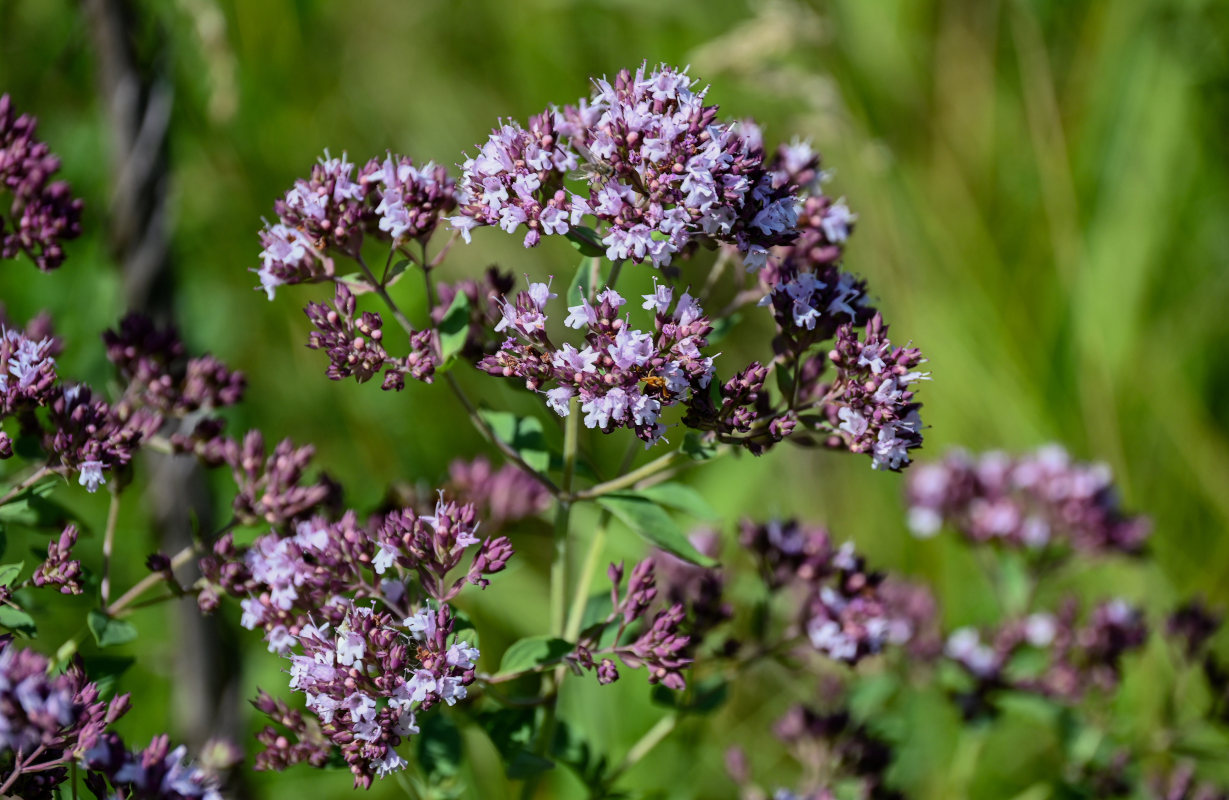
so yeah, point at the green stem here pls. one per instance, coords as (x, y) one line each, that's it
(558, 587)
(152, 579)
(126, 602)
(631, 478)
(653, 737)
(108, 544)
(615, 269)
(20, 487)
(580, 597)
(558, 570)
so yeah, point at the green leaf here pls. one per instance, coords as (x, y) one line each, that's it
(530, 652)
(454, 328)
(9, 572)
(522, 434)
(648, 520)
(32, 508)
(17, 620)
(679, 497)
(582, 283)
(586, 241)
(395, 272)
(785, 381)
(696, 447)
(525, 764)
(109, 631)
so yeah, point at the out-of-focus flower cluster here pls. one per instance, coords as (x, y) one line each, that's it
(49, 721)
(1078, 657)
(658, 172)
(1040, 500)
(332, 211)
(500, 495)
(163, 392)
(158, 772)
(847, 612)
(847, 749)
(339, 599)
(43, 213)
(158, 377)
(622, 377)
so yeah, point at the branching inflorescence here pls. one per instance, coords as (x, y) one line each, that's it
(368, 607)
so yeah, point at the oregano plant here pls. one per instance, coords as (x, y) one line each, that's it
(364, 607)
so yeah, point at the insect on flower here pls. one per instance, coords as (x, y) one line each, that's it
(655, 386)
(592, 167)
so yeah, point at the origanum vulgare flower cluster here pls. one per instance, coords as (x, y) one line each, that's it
(660, 179)
(1038, 501)
(368, 609)
(42, 214)
(52, 720)
(622, 377)
(362, 612)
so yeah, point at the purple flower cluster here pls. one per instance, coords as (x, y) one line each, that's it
(355, 344)
(60, 568)
(849, 749)
(1040, 500)
(1080, 657)
(159, 377)
(517, 179)
(846, 612)
(659, 172)
(46, 721)
(291, 739)
(27, 370)
(660, 644)
(433, 546)
(805, 287)
(336, 207)
(273, 487)
(871, 404)
(367, 677)
(43, 213)
(623, 377)
(88, 436)
(365, 670)
(156, 773)
(867, 407)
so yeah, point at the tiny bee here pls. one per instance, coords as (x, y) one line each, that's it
(655, 386)
(592, 167)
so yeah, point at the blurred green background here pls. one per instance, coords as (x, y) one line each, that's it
(1043, 198)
